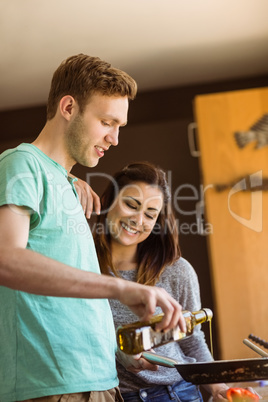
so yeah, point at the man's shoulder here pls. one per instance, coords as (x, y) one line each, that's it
(19, 152)
(22, 158)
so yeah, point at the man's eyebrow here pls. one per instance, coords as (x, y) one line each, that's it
(115, 120)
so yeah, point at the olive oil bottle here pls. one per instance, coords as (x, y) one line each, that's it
(140, 336)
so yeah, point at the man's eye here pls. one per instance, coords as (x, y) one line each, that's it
(104, 123)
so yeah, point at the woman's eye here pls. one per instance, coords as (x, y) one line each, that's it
(130, 205)
(149, 216)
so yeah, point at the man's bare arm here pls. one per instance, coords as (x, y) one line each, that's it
(28, 271)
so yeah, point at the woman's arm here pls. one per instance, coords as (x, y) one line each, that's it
(89, 200)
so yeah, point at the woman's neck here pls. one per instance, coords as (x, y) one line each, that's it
(124, 257)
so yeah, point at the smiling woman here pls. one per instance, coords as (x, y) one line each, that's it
(137, 240)
(140, 217)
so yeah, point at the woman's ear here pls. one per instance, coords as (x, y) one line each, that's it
(67, 106)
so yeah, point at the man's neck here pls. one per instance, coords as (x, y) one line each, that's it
(51, 142)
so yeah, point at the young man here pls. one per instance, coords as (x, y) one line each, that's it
(56, 333)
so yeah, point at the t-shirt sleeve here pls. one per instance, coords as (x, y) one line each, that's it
(21, 183)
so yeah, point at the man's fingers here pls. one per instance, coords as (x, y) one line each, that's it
(176, 318)
(143, 302)
(172, 313)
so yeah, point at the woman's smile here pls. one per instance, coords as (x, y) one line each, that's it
(128, 228)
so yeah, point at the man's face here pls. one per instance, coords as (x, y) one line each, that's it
(92, 133)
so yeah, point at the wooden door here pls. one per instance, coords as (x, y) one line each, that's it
(234, 170)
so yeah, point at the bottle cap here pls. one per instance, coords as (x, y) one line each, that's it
(209, 313)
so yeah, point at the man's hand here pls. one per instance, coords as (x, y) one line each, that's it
(134, 363)
(142, 300)
(88, 198)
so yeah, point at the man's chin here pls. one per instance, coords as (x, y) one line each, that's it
(94, 163)
(91, 163)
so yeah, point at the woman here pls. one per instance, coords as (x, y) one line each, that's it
(137, 239)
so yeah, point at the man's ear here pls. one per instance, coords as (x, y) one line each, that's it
(67, 106)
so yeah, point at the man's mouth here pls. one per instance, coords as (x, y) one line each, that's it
(100, 150)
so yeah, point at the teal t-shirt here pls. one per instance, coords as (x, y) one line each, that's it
(52, 345)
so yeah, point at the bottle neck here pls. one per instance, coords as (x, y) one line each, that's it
(203, 315)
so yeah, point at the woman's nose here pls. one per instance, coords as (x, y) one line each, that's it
(137, 219)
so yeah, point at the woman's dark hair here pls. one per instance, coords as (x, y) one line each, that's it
(161, 248)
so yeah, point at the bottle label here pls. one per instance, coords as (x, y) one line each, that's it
(146, 338)
(151, 338)
(177, 334)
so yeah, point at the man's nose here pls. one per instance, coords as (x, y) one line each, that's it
(113, 137)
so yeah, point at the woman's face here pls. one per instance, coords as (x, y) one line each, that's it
(133, 215)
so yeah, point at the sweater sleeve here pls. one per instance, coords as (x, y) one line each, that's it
(185, 289)
(180, 280)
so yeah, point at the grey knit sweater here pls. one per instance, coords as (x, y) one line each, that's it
(179, 280)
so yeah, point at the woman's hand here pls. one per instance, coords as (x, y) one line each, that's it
(221, 392)
(218, 391)
(242, 394)
(134, 363)
(88, 198)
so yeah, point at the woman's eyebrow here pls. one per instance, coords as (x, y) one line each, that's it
(153, 209)
(139, 203)
(134, 199)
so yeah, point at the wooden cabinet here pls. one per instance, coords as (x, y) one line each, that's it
(234, 172)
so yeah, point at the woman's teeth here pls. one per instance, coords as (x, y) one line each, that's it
(128, 228)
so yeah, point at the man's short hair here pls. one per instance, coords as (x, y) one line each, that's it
(81, 76)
